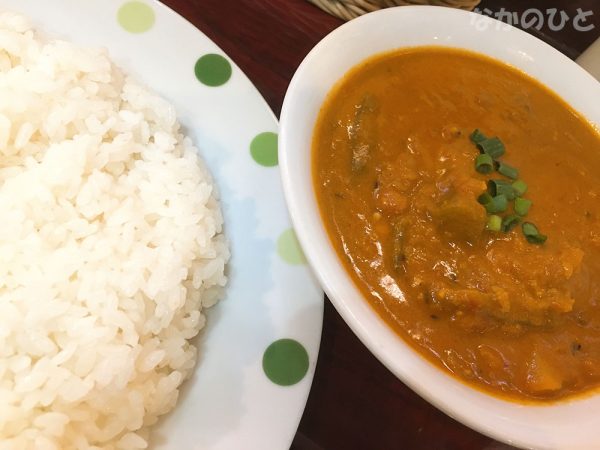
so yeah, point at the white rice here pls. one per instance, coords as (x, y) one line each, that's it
(110, 245)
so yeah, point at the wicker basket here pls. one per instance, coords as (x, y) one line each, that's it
(349, 9)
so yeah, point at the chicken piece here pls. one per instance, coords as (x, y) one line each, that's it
(541, 376)
(460, 217)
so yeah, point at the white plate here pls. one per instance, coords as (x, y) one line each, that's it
(229, 403)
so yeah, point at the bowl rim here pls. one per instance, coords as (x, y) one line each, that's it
(378, 341)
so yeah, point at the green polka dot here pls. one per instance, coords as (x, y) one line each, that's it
(264, 149)
(285, 362)
(135, 17)
(212, 70)
(289, 249)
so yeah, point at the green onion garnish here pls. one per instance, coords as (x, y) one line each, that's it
(492, 186)
(507, 171)
(538, 239)
(478, 137)
(493, 147)
(494, 223)
(498, 204)
(509, 222)
(532, 234)
(484, 164)
(501, 187)
(500, 192)
(520, 187)
(484, 198)
(522, 206)
(490, 146)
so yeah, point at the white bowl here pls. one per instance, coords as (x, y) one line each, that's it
(574, 424)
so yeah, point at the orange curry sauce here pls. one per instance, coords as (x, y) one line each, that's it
(395, 179)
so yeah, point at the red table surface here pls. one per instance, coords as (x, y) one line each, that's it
(355, 402)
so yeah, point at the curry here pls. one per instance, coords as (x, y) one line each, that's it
(398, 179)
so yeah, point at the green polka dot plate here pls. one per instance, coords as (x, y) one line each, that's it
(259, 349)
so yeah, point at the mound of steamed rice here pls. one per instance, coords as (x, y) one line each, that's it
(110, 245)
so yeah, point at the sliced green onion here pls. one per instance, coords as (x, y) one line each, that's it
(484, 164)
(490, 146)
(532, 234)
(509, 222)
(494, 223)
(507, 191)
(484, 198)
(538, 239)
(493, 185)
(520, 187)
(493, 147)
(507, 171)
(501, 187)
(522, 206)
(477, 137)
(498, 204)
